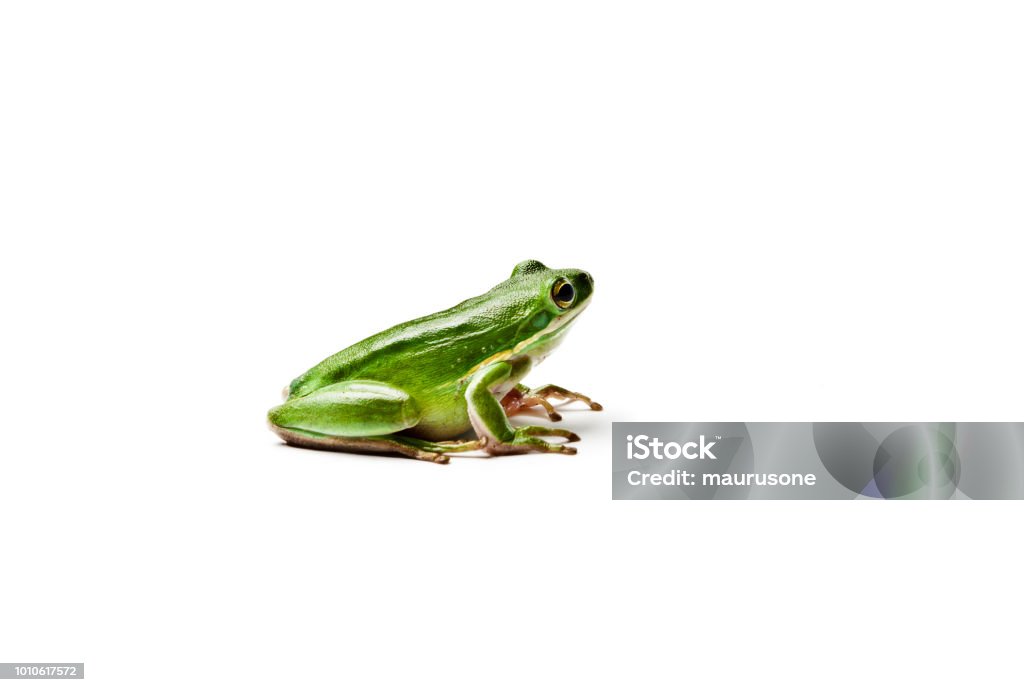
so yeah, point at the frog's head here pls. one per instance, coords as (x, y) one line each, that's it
(553, 298)
(560, 291)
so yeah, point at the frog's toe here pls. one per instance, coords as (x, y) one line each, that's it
(552, 390)
(424, 455)
(541, 431)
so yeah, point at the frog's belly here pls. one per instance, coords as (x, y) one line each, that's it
(442, 422)
(448, 417)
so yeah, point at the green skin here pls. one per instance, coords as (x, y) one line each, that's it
(415, 387)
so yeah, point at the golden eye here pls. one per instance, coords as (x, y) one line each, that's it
(563, 294)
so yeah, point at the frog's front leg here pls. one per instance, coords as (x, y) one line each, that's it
(492, 425)
(522, 397)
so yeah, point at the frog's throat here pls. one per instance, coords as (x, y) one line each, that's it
(557, 325)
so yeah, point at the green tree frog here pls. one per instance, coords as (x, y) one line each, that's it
(416, 387)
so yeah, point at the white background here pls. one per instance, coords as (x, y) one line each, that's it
(793, 211)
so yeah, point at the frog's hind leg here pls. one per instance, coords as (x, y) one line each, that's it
(357, 416)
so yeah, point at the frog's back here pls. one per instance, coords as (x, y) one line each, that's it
(424, 356)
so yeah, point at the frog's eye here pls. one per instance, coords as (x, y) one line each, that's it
(563, 294)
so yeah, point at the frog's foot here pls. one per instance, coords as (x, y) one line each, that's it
(521, 398)
(528, 439)
(382, 444)
(440, 450)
